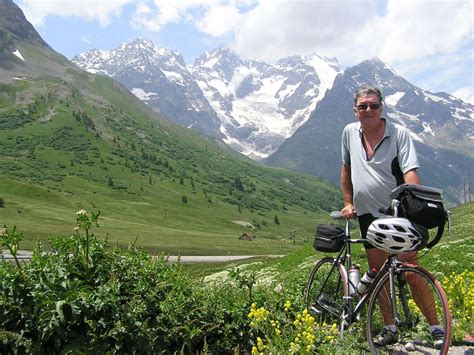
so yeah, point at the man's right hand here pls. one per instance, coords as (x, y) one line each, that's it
(348, 211)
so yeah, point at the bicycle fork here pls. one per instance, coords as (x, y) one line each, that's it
(396, 281)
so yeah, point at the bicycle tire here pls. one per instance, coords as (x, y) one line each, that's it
(412, 325)
(324, 293)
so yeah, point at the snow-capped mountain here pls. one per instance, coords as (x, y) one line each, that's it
(291, 113)
(441, 125)
(261, 104)
(159, 78)
(253, 106)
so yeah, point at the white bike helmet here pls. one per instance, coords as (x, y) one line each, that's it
(397, 235)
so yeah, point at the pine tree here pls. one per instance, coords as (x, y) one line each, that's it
(238, 184)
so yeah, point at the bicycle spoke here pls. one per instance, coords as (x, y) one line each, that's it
(324, 292)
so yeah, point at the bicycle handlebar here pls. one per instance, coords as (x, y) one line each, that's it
(336, 214)
(386, 210)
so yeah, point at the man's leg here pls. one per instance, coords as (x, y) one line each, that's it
(422, 293)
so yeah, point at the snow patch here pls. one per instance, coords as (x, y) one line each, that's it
(288, 91)
(18, 54)
(174, 77)
(240, 74)
(260, 108)
(220, 86)
(143, 95)
(435, 98)
(407, 116)
(211, 62)
(427, 129)
(326, 73)
(393, 99)
(458, 113)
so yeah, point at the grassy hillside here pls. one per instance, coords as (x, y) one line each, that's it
(84, 142)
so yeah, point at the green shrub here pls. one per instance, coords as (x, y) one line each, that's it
(84, 296)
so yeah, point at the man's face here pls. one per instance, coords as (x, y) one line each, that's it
(368, 109)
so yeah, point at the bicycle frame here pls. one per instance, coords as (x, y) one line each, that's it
(343, 262)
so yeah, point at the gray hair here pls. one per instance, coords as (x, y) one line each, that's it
(367, 90)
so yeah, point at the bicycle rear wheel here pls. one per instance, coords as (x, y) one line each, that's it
(324, 293)
(419, 302)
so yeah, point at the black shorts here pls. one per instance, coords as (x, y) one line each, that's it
(364, 222)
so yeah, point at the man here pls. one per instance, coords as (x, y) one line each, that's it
(378, 156)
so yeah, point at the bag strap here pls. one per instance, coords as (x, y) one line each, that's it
(439, 233)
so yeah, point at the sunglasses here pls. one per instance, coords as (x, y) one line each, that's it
(363, 107)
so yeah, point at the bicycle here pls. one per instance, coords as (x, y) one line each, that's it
(330, 297)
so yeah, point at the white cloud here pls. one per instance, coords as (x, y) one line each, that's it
(275, 29)
(84, 39)
(466, 94)
(354, 30)
(102, 11)
(411, 30)
(440, 72)
(153, 16)
(213, 17)
(220, 20)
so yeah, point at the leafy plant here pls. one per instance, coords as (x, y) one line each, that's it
(82, 296)
(11, 240)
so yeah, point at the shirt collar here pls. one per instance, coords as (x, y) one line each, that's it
(387, 129)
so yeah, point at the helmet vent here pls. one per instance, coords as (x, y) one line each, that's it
(399, 228)
(398, 239)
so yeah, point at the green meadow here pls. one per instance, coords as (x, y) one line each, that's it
(94, 146)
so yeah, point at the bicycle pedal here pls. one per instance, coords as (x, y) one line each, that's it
(315, 310)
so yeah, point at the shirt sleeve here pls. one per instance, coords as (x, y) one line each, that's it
(407, 157)
(346, 157)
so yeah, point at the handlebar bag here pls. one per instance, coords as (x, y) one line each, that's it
(329, 238)
(422, 205)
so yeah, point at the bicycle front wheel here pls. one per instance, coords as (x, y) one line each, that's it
(324, 293)
(418, 302)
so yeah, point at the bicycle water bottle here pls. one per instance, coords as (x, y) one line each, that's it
(366, 280)
(354, 278)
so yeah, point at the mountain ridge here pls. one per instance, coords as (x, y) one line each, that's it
(236, 91)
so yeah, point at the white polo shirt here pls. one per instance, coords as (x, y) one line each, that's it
(373, 179)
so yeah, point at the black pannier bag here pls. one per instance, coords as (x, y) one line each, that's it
(329, 238)
(422, 205)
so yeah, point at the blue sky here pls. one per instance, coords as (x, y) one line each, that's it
(428, 42)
